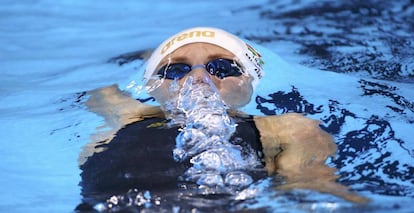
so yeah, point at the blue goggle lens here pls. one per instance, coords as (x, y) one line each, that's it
(220, 68)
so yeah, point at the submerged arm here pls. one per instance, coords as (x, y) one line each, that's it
(118, 110)
(296, 148)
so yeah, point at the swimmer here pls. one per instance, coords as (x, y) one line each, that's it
(201, 77)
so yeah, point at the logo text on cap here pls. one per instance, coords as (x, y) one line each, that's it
(187, 35)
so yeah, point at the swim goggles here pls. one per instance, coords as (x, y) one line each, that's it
(220, 68)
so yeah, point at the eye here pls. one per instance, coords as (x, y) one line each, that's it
(174, 71)
(222, 68)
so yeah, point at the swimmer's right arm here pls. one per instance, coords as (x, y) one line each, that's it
(119, 109)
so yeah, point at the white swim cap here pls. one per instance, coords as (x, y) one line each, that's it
(246, 54)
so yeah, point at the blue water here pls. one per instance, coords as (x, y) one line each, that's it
(347, 64)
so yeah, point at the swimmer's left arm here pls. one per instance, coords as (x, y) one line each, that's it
(302, 141)
(296, 148)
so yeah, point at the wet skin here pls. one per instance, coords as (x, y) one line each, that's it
(235, 91)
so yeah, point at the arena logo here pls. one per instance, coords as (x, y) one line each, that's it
(187, 35)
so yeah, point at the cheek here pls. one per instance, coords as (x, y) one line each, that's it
(235, 92)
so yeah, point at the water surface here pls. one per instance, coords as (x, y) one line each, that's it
(346, 63)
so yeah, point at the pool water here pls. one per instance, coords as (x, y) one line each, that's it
(346, 63)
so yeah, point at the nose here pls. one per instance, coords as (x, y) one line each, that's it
(199, 74)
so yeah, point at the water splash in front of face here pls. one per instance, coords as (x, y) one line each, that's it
(217, 164)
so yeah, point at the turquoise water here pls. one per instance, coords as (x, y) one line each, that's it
(52, 52)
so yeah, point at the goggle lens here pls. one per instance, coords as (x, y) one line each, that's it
(223, 68)
(174, 71)
(220, 68)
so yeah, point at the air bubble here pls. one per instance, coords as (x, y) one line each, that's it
(204, 138)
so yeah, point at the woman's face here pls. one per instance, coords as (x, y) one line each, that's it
(235, 91)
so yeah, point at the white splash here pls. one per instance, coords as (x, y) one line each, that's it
(217, 164)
